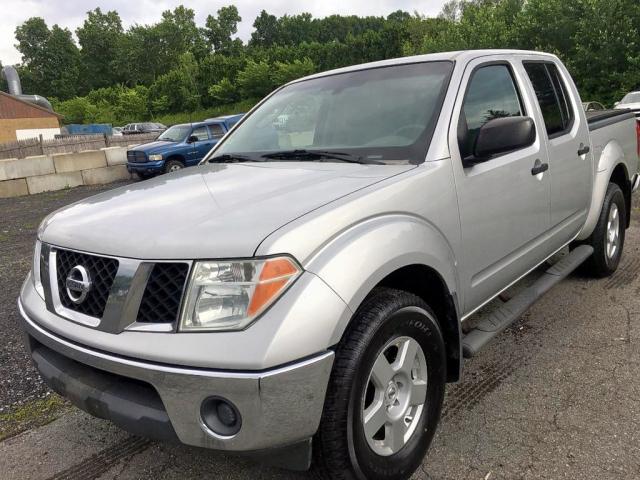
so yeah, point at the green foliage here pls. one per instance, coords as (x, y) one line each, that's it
(220, 29)
(176, 90)
(50, 59)
(175, 70)
(100, 38)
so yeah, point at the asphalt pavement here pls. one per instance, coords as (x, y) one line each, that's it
(556, 396)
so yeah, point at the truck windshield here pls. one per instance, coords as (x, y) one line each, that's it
(377, 114)
(177, 133)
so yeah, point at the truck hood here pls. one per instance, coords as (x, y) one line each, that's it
(154, 147)
(210, 211)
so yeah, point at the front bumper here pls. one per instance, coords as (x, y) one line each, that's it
(279, 407)
(145, 167)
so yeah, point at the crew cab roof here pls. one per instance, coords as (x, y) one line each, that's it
(460, 55)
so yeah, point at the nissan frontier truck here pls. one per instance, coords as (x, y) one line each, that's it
(301, 294)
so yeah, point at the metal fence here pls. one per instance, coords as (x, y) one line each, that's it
(69, 144)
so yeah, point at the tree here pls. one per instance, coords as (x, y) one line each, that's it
(220, 29)
(255, 80)
(286, 72)
(176, 91)
(50, 59)
(100, 39)
(265, 30)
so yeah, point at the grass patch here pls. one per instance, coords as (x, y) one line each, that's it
(33, 414)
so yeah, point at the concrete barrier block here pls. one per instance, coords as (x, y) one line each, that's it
(55, 181)
(74, 162)
(115, 155)
(12, 168)
(99, 176)
(13, 188)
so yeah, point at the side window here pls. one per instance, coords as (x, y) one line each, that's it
(216, 130)
(552, 97)
(491, 94)
(201, 133)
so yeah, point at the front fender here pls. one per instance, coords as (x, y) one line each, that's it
(358, 259)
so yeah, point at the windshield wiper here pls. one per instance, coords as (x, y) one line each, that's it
(233, 157)
(311, 155)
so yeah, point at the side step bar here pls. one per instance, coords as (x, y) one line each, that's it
(495, 322)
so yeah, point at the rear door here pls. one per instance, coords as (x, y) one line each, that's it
(504, 208)
(567, 147)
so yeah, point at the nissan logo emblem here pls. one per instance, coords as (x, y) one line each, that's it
(78, 284)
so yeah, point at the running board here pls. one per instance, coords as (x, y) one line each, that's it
(495, 322)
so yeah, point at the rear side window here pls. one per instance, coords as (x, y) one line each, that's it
(553, 97)
(216, 130)
(491, 94)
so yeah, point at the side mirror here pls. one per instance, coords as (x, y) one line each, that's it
(192, 139)
(502, 135)
(616, 104)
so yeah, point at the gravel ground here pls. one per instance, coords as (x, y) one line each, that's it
(556, 396)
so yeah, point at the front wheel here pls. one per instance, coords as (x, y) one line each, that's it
(607, 238)
(386, 391)
(173, 166)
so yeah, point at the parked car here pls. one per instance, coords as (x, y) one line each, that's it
(180, 146)
(631, 101)
(144, 127)
(317, 296)
(592, 106)
(116, 131)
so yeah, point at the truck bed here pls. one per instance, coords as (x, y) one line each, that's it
(602, 118)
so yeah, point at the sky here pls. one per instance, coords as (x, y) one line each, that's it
(71, 13)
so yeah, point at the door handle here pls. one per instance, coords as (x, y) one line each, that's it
(539, 168)
(583, 150)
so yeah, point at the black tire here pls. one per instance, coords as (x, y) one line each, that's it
(173, 165)
(341, 450)
(601, 264)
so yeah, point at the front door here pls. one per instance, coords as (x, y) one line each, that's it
(202, 145)
(504, 208)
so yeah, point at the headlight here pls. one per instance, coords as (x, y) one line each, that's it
(35, 269)
(229, 295)
(154, 158)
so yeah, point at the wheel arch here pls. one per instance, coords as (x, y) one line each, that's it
(428, 284)
(175, 156)
(611, 168)
(396, 251)
(620, 177)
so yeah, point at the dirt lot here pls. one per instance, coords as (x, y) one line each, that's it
(556, 396)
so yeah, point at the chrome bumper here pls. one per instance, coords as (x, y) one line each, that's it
(278, 407)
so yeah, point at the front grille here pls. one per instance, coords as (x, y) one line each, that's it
(163, 294)
(101, 270)
(136, 157)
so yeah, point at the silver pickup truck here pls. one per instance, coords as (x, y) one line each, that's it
(301, 295)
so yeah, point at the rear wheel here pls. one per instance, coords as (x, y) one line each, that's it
(173, 166)
(386, 390)
(607, 238)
